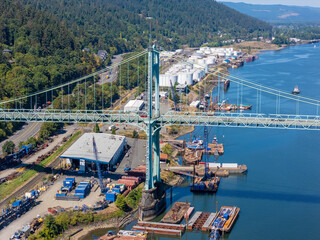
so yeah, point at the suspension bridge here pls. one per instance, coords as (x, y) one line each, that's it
(83, 100)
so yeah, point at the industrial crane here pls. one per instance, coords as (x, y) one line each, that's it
(103, 190)
(205, 145)
(174, 97)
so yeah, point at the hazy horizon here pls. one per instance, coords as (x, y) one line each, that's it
(307, 3)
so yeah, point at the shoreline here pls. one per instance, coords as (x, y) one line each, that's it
(130, 216)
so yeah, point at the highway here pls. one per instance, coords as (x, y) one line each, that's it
(113, 73)
(27, 131)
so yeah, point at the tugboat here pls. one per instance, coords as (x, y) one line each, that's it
(215, 235)
(296, 90)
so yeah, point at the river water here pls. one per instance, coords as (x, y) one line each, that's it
(279, 197)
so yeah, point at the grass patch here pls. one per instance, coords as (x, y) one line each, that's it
(8, 188)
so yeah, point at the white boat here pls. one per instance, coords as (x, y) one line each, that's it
(296, 90)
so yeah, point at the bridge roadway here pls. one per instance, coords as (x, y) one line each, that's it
(307, 122)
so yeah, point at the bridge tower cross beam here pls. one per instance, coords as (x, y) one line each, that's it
(153, 131)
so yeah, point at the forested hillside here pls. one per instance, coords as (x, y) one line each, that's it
(123, 24)
(40, 51)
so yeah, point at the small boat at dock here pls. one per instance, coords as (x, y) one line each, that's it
(214, 235)
(296, 90)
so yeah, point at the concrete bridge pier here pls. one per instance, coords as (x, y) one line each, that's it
(153, 202)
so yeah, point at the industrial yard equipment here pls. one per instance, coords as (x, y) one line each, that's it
(103, 189)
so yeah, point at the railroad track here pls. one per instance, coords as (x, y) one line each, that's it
(31, 183)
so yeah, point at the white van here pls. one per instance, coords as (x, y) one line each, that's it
(112, 127)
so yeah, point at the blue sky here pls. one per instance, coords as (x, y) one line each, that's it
(310, 3)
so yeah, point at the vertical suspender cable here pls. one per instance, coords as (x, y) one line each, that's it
(78, 95)
(102, 100)
(128, 85)
(85, 94)
(120, 87)
(138, 80)
(257, 101)
(260, 99)
(61, 97)
(68, 97)
(94, 94)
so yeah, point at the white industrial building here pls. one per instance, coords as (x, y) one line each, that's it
(109, 150)
(134, 106)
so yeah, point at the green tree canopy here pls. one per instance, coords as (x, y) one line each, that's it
(8, 147)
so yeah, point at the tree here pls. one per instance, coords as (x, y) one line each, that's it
(167, 149)
(8, 147)
(121, 203)
(96, 128)
(135, 134)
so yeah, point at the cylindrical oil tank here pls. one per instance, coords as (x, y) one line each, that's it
(185, 78)
(164, 80)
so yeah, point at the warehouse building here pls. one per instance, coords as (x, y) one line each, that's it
(82, 157)
(134, 106)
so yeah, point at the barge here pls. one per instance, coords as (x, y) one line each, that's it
(160, 228)
(208, 185)
(176, 213)
(192, 156)
(225, 219)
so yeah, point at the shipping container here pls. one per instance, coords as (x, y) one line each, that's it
(229, 165)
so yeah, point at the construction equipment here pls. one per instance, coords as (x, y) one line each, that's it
(174, 98)
(206, 162)
(103, 189)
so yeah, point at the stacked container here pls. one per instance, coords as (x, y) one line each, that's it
(130, 184)
(119, 188)
(111, 196)
(82, 190)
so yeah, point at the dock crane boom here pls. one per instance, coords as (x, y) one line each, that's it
(103, 190)
(205, 145)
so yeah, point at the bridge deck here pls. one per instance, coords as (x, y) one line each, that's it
(307, 122)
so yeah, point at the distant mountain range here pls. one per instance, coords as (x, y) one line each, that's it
(278, 13)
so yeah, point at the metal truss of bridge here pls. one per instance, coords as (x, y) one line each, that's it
(150, 121)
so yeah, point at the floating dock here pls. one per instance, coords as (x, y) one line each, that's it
(160, 228)
(201, 221)
(192, 221)
(176, 213)
(208, 224)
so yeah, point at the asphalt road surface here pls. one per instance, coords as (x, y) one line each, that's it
(27, 131)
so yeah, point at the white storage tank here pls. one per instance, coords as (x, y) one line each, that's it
(185, 78)
(164, 80)
(211, 60)
(174, 79)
